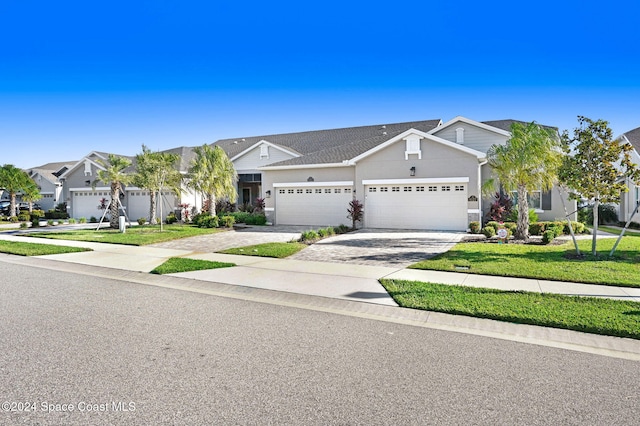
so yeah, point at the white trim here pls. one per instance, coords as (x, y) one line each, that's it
(265, 142)
(415, 181)
(473, 211)
(81, 162)
(90, 189)
(307, 166)
(311, 184)
(269, 209)
(423, 135)
(472, 123)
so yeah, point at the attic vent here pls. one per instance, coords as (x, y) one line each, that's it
(460, 135)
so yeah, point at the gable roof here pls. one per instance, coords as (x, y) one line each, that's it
(506, 124)
(633, 136)
(327, 146)
(51, 171)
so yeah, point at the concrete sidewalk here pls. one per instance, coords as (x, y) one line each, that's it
(334, 280)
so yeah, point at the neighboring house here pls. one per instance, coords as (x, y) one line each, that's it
(47, 177)
(84, 200)
(629, 200)
(414, 175)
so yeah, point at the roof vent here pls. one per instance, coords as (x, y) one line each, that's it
(235, 142)
(243, 139)
(384, 127)
(384, 133)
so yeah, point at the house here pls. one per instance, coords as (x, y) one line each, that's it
(84, 193)
(412, 175)
(629, 200)
(47, 177)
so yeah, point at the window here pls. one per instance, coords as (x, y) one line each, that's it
(384, 189)
(281, 191)
(309, 191)
(446, 188)
(372, 189)
(395, 189)
(298, 191)
(433, 188)
(347, 190)
(318, 191)
(327, 190)
(407, 189)
(533, 197)
(459, 187)
(420, 188)
(337, 190)
(289, 191)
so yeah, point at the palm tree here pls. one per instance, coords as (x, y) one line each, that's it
(31, 194)
(114, 175)
(213, 174)
(155, 171)
(529, 161)
(14, 180)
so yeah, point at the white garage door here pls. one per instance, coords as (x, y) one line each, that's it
(85, 203)
(437, 206)
(314, 206)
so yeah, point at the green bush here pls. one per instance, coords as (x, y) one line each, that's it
(536, 228)
(205, 220)
(171, 218)
(548, 236)
(489, 231)
(474, 227)
(37, 213)
(493, 224)
(23, 217)
(13, 219)
(72, 221)
(309, 236)
(82, 220)
(50, 222)
(23, 225)
(228, 221)
(555, 228)
(256, 219)
(56, 215)
(142, 220)
(513, 216)
(341, 229)
(93, 219)
(330, 231)
(511, 227)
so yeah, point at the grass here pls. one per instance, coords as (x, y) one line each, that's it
(277, 250)
(135, 236)
(586, 314)
(35, 249)
(181, 264)
(616, 231)
(551, 262)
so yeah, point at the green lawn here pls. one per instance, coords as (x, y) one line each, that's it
(135, 236)
(181, 264)
(277, 250)
(35, 249)
(586, 314)
(551, 262)
(616, 231)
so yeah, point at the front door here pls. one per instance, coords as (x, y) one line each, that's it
(246, 195)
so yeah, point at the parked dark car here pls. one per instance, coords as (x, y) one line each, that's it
(25, 206)
(4, 208)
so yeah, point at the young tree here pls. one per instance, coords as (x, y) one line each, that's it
(213, 174)
(527, 162)
(114, 174)
(156, 171)
(31, 194)
(595, 165)
(14, 180)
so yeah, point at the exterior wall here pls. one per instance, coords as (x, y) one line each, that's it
(474, 137)
(49, 191)
(438, 161)
(557, 210)
(251, 160)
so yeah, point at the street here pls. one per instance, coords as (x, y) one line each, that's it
(77, 349)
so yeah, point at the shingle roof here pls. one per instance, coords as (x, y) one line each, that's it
(634, 138)
(327, 146)
(506, 124)
(50, 170)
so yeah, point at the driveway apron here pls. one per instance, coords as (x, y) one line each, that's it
(377, 247)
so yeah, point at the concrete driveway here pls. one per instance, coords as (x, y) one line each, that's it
(378, 247)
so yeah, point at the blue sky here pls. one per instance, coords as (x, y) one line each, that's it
(109, 76)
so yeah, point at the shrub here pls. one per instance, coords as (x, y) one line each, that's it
(72, 221)
(513, 216)
(536, 228)
(555, 228)
(35, 220)
(489, 231)
(322, 233)
(341, 229)
(548, 236)
(500, 208)
(37, 213)
(13, 219)
(474, 227)
(171, 218)
(142, 220)
(256, 219)
(23, 225)
(23, 217)
(82, 220)
(228, 221)
(606, 214)
(56, 215)
(93, 219)
(511, 227)
(50, 222)
(355, 212)
(309, 236)
(330, 231)
(493, 224)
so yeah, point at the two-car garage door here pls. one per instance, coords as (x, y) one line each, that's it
(427, 204)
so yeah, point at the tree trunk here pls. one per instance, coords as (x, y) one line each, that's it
(596, 205)
(522, 227)
(152, 208)
(12, 205)
(212, 204)
(115, 203)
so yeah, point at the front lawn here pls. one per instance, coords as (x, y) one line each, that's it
(551, 262)
(277, 250)
(182, 264)
(35, 249)
(586, 314)
(135, 236)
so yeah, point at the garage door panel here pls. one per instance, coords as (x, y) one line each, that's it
(438, 207)
(312, 206)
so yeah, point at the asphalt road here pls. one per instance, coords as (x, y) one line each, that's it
(121, 353)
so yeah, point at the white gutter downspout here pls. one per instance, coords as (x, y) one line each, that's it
(482, 163)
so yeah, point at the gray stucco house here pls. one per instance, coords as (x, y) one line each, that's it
(414, 175)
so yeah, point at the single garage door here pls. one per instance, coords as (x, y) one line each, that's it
(312, 205)
(437, 206)
(85, 203)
